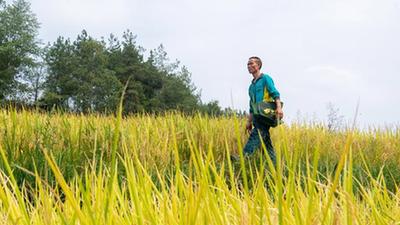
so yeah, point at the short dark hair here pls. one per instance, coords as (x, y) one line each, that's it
(258, 60)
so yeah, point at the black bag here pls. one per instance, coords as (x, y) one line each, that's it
(268, 111)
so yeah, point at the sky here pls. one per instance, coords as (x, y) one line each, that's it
(343, 52)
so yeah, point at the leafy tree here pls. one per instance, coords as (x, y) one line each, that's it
(160, 60)
(88, 75)
(78, 76)
(213, 108)
(18, 43)
(177, 92)
(31, 83)
(60, 84)
(126, 60)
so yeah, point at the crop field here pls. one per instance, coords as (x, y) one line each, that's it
(60, 168)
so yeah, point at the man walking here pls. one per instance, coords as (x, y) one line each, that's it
(262, 89)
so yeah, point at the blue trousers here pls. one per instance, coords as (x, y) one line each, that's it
(260, 133)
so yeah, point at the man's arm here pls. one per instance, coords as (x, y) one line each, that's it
(275, 95)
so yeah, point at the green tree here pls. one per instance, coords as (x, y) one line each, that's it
(126, 60)
(60, 84)
(88, 75)
(31, 83)
(18, 43)
(213, 108)
(178, 92)
(79, 79)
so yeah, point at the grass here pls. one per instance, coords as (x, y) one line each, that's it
(175, 169)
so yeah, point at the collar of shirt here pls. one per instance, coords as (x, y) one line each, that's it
(255, 80)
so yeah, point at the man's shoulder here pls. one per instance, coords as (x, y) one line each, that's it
(266, 76)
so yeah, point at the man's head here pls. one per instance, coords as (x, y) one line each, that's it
(254, 64)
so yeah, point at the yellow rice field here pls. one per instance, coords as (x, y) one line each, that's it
(175, 169)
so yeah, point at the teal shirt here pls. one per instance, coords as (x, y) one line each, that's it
(262, 89)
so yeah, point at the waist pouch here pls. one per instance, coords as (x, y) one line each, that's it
(268, 111)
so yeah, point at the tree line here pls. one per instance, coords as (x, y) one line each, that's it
(88, 74)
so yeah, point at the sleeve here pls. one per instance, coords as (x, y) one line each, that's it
(271, 88)
(250, 104)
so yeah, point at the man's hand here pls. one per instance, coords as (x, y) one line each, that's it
(279, 111)
(249, 126)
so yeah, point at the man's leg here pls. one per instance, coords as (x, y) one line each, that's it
(268, 144)
(252, 143)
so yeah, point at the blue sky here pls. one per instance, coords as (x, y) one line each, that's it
(317, 51)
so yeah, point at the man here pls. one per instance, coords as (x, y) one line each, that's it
(262, 88)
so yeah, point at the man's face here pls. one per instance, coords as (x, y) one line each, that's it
(252, 66)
